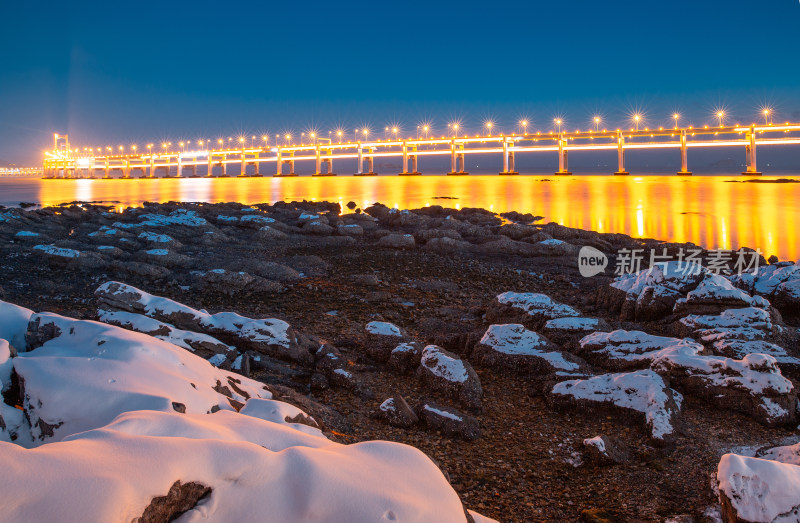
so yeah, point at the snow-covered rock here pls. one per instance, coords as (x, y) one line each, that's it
(528, 308)
(626, 350)
(270, 336)
(445, 372)
(384, 328)
(758, 490)
(449, 421)
(397, 412)
(674, 288)
(13, 324)
(514, 348)
(789, 454)
(205, 346)
(178, 217)
(566, 332)
(749, 323)
(739, 348)
(109, 370)
(604, 450)
(753, 385)
(643, 394)
(715, 294)
(405, 357)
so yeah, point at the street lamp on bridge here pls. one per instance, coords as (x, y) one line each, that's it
(597, 121)
(676, 117)
(721, 116)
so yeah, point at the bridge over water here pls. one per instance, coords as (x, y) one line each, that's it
(65, 162)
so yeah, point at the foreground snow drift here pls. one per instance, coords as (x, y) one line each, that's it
(257, 471)
(127, 426)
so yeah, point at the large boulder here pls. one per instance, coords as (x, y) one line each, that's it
(753, 385)
(641, 395)
(382, 338)
(528, 308)
(758, 490)
(445, 372)
(451, 422)
(397, 241)
(605, 450)
(269, 336)
(397, 412)
(513, 348)
(567, 332)
(627, 350)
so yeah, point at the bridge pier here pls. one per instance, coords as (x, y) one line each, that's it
(563, 157)
(621, 155)
(328, 161)
(455, 158)
(413, 157)
(684, 164)
(126, 172)
(750, 151)
(370, 162)
(508, 160)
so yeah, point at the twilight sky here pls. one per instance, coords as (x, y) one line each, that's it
(112, 73)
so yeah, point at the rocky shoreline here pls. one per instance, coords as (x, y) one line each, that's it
(542, 395)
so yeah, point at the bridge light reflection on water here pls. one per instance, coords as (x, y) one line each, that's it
(706, 210)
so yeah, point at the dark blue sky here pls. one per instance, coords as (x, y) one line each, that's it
(114, 73)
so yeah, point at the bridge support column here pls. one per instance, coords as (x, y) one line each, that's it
(152, 166)
(210, 166)
(414, 166)
(621, 155)
(279, 163)
(404, 170)
(223, 167)
(106, 171)
(750, 150)
(508, 160)
(455, 156)
(563, 158)
(126, 172)
(318, 162)
(360, 168)
(684, 163)
(242, 165)
(257, 171)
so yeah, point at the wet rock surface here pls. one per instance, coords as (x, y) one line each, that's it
(437, 274)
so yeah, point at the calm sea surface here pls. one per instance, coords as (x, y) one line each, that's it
(707, 210)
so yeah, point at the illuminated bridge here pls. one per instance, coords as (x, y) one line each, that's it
(20, 172)
(280, 160)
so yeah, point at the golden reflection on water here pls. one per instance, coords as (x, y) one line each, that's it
(705, 210)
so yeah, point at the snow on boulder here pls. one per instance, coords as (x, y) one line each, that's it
(244, 468)
(382, 337)
(753, 385)
(627, 350)
(787, 299)
(514, 348)
(715, 294)
(528, 308)
(178, 217)
(605, 450)
(650, 294)
(283, 413)
(789, 454)
(739, 348)
(758, 490)
(749, 323)
(397, 412)
(566, 332)
(107, 370)
(203, 345)
(383, 328)
(451, 422)
(642, 394)
(445, 372)
(13, 324)
(269, 336)
(405, 357)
